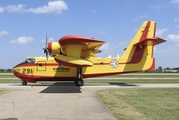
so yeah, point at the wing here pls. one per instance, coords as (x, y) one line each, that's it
(77, 49)
(79, 46)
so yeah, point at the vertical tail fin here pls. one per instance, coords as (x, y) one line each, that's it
(142, 45)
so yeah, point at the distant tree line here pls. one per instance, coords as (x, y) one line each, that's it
(5, 70)
(167, 70)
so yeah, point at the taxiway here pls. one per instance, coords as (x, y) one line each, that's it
(56, 102)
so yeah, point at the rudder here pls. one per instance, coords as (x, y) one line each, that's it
(140, 50)
(144, 37)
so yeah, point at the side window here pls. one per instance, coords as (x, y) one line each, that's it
(33, 60)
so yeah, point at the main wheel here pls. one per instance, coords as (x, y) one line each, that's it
(79, 82)
(24, 83)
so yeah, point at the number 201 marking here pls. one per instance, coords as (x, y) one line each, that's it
(27, 71)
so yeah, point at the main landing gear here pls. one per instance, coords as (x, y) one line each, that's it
(24, 83)
(79, 81)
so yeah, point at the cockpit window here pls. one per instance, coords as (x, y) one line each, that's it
(27, 61)
(30, 60)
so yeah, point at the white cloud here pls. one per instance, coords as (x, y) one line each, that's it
(2, 33)
(175, 1)
(13, 8)
(1, 9)
(52, 7)
(22, 40)
(160, 32)
(113, 50)
(173, 37)
(56, 6)
(169, 51)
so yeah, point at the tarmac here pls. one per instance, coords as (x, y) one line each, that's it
(59, 102)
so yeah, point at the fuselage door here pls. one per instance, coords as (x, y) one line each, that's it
(41, 66)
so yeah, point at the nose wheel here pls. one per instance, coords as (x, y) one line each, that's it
(24, 83)
(79, 81)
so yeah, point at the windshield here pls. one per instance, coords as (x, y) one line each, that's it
(30, 60)
(27, 61)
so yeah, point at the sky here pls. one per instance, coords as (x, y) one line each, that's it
(24, 25)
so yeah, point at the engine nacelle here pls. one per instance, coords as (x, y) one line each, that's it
(54, 48)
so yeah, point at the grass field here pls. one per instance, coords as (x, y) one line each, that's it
(7, 76)
(142, 103)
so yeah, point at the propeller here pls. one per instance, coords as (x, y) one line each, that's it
(46, 48)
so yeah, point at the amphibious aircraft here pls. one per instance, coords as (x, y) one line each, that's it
(73, 58)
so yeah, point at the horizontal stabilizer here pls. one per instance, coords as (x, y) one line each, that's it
(73, 61)
(155, 41)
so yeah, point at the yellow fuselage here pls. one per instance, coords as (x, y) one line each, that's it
(44, 69)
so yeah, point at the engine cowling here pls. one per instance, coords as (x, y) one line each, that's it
(54, 48)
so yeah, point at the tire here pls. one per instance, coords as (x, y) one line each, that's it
(24, 83)
(79, 82)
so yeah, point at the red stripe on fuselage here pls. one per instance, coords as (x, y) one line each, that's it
(57, 64)
(36, 64)
(34, 78)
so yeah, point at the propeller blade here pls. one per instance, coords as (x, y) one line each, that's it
(47, 55)
(46, 48)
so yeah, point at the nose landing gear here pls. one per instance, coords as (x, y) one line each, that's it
(24, 83)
